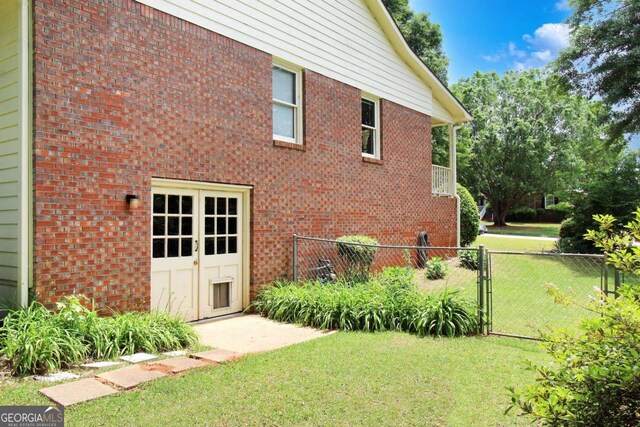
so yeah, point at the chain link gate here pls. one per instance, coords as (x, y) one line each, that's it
(516, 290)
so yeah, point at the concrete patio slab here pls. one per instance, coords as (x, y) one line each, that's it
(181, 364)
(57, 376)
(253, 334)
(175, 353)
(138, 357)
(218, 355)
(77, 391)
(130, 376)
(100, 365)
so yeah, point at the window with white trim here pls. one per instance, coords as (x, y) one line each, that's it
(549, 200)
(370, 127)
(287, 103)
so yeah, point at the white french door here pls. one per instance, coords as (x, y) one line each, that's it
(196, 252)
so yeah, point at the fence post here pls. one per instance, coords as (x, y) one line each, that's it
(295, 258)
(481, 283)
(617, 282)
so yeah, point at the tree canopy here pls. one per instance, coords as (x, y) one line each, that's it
(528, 136)
(603, 58)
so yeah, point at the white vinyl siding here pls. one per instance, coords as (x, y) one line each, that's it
(13, 251)
(340, 39)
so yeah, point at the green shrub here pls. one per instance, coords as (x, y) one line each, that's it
(436, 269)
(356, 259)
(564, 208)
(469, 217)
(523, 215)
(397, 277)
(36, 340)
(469, 259)
(367, 307)
(595, 380)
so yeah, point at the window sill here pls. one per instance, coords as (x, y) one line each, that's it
(372, 160)
(291, 145)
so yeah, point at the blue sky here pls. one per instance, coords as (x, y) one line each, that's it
(500, 35)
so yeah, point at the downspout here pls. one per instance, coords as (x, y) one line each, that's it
(453, 161)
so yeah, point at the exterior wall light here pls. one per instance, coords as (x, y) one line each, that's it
(133, 201)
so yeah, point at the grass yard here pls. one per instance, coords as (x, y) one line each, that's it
(351, 378)
(525, 229)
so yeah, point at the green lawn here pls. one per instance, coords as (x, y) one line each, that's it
(513, 244)
(525, 229)
(343, 379)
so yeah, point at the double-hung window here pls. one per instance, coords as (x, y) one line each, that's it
(287, 104)
(370, 127)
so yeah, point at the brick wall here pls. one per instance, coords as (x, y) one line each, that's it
(124, 93)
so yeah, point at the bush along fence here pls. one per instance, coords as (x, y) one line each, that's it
(517, 293)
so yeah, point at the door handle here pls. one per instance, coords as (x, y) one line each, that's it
(195, 262)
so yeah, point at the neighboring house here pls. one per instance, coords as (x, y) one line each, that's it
(162, 153)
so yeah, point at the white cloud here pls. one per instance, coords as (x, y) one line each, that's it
(563, 5)
(540, 48)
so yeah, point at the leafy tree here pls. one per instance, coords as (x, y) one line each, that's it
(603, 58)
(615, 191)
(521, 140)
(423, 36)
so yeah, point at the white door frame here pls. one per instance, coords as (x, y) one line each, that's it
(245, 191)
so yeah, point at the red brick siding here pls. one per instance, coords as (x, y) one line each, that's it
(124, 93)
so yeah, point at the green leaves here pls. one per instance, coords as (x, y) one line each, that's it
(36, 340)
(436, 269)
(388, 302)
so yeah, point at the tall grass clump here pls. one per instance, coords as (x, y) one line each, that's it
(36, 340)
(371, 306)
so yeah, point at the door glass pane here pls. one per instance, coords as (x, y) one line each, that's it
(187, 247)
(209, 246)
(222, 206)
(221, 245)
(209, 226)
(159, 203)
(209, 205)
(173, 225)
(158, 225)
(283, 120)
(284, 85)
(187, 226)
(221, 224)
(173, 246)
(233, 206)
(158, 248)
(233, 245)
(173, 204)
(233, 226)
(187, 205)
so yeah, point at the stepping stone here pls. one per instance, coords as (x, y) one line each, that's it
(77, 392)
(218, 355)
(175, 353)
(99, 365)
(130, 376)
(180, 364)
(57, 376)
(138, 357)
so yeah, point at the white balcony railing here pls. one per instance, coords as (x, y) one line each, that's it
(441, 180)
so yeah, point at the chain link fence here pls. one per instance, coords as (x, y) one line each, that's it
(434, 268)
(514, 291)
(521, 287)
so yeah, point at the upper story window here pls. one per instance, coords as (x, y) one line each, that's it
(287, 103)
(370, 127)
